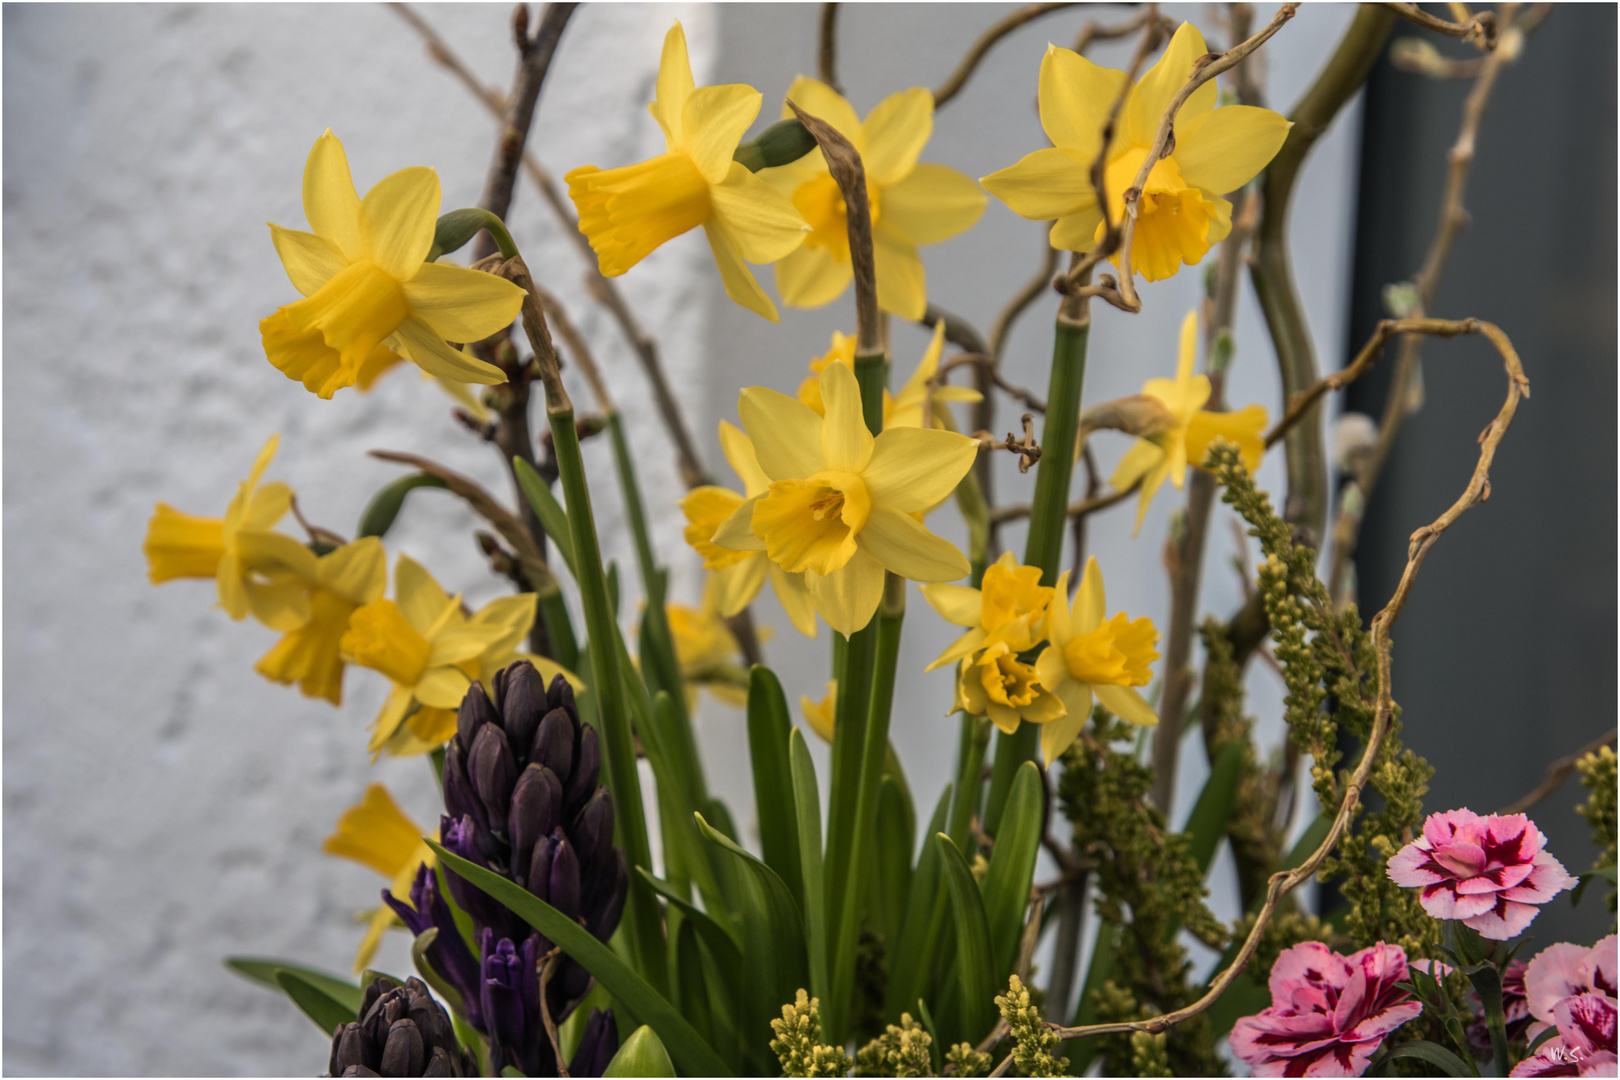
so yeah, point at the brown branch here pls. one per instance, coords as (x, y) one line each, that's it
(577, 348)
(546, 972)
(1033, 290)
(996, 31)
(1557, 773)
(1479, 30)
(1026, 449)
(1076, 509)
(827, 48)
(1027, 398)
(1096, 31)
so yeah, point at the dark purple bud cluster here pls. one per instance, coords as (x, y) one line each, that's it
(402, 1031)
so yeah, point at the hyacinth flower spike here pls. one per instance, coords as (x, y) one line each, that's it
(401, 1031)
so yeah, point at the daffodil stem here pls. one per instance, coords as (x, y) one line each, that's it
(972, 742)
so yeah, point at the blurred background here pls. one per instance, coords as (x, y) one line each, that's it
(165, 806)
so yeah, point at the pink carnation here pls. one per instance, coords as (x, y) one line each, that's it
(1584, 1045)
(1488, 872)
(1328, 1014)
(1565, 970)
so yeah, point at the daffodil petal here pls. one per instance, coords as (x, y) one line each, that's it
(262, 550)
(902, 286)
(389, 717)
(965, 645)
(1230, 147)
(1126, 704)
(442, 687)
(310, 262)
(848, 597)
(959, 604)
(907, 548)
(1059, 621)
(739, 452)
(913, 469)
(674, 86)
(786, 433)
(423, 346)
(1075, 97)
(397, 219)
(846, 444)
(1060, 734)
(824, 103)
(419, 598)
(1090, 599)
(763, 223)
(1163, 81)
(376, 833)
(1045, 184)
(1150, 485)
(461, 304)
(356, 572)
(281, 604)
(932, 203)
(1050, 668)
(331, 204)
(735, 586)
(896, 130)
(737, 531)
(713, 120)
(1136, 463)
(266, 505)
(734, 273)
(1077, 231)
(810, 277)
(795, 598)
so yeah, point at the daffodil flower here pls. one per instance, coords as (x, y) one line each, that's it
(841, 504)
(912, 203)
(707, 651)
(369, 294)
(350, 577)
(739, 575)
(375, 832)
(822, 715)
(248, 562)
(1186, 439)
(628, 212)
(1010, 606)
(1088, 656)
(995, 683)
(906, 409)
(1181, 214)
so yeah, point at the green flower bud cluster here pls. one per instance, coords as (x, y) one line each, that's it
(798, 1043)
(1288, 927)
(963, 1060)
(1597, 771)
(1149, 1056)
(1033, 1041)
(906, 1050)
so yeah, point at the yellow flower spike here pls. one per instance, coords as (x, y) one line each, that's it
(912, 203)
(821, 715)
(841, 503)
(346, 579)
(376, 833)
(1186, 439)
(628, 212)
(1091, 655)
(369, 296)
(1181, 214)
(1010, 606)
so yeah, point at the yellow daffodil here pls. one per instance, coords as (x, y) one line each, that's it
(1088, 656)
(628, 212)
(739, 575)
(254, 569)
(707, 651)
(459, 392)
(1181, 214)
(1010, 606)
(368, 293)
(995, 683)
(841, 504)
(354, 575)
(912, 203)
(906, 410)
(821, 715)
(430, 650)
(1192, 428)
(375, 832)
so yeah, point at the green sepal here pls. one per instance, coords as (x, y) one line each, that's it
(641, 1055)
(783, 143)
(459, 226)
(379, 514)
(322, 1008)
(262, 970)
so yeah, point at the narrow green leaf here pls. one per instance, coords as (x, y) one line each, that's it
(262, 970)
(1207, 822)
(807, 807)
(889, 860)
(1433, 1054)
(768, 728)
(553, 518)
(1100, 970)
(683, 1043)
(720, 940)
(641, 1055)
(327, 1012)
(972, 742)
(929, 1026)
(975, 966)
(1012, 866)
(915, 949)
(380, 513)
(692, 992)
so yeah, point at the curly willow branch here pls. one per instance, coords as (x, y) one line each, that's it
(1284, 882)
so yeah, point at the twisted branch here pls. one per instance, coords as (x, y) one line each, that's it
(996, 31)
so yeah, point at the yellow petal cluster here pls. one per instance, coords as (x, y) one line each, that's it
(906, 408)
(912, 203)
(628, 212)
(841, 505)
(369, 295)
(822, 715)
(707, 651)
(1181, 214)
(376, 833)
(1186, 439)
(310, 655)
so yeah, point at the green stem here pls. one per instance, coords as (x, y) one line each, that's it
(560, 630)
(613, 708)
(970, 747)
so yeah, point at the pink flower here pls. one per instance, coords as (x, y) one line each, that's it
(1565, 970)
(1488, 872)
(1584, 1045)
(1328, 1014)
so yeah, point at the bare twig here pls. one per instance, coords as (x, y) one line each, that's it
(546, 972)
(1033, 289)
(996, 31)
(1026, 449)
(1096, 31)
(844, 163)
(827, 47)
(1479, 30)
(1027, 398)
(316, 533)
(1557, 773)
(557, 315)
(1076, 509)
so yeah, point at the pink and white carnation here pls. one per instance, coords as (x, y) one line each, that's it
(1584, 1045)
(1566, 970)
(1488, 872)
(1329, 1013)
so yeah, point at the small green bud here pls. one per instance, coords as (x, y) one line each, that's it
(459, 226)
(641, 1055)
(783, 143)
(1400, 299)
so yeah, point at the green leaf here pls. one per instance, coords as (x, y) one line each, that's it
(975, 968)
(719, 940)
(807, 806)
(263, 970)
(379, 514)
(553, 518)
(768, 731)
(927, 1019)
(1607, 873)
(641, 1055)
(1012, 865)
(1207, 822)
(683, 1043)
(327, 1012)
(1433, 1054)
(915, 949)
(888, 862)
(1101, 969)
(686, 975)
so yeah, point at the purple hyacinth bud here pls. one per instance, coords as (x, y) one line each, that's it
(554, 744)
(592, 828)
(459, 837)
(402, 1054)
(459, 799)
(348, 1050)
(439, 1063)
(560, 695)
(511, 989)
(536, 810)
(582, 782)
(493, 771)
(474, 713)
(606, 909)
(564, 891)
(448, 955)
(402, 1031)
(522, 704)
(597, 1045)
(539, 879)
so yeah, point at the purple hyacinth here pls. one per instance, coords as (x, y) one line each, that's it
(402, 1031)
